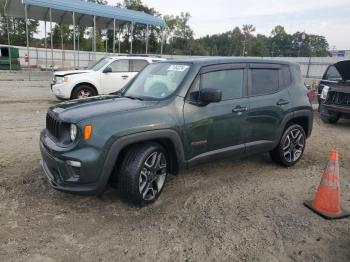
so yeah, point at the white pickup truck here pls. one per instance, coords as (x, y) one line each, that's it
(106, 76)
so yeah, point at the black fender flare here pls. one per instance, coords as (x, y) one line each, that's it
(309, 115)
(122, 142)
(292, 115)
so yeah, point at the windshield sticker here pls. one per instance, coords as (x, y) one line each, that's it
(178, 68)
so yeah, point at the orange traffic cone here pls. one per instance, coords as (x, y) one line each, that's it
(327, 200)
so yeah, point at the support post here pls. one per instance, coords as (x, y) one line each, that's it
(308, 67)
(119, 41)
(114, 36)
(62, 46)
(74, 41)
(94, 37)
(147, 38)
(78, 46)
(8, 40)
(131, 36)
(51, 39)
(162, 42)
(27, 37)
(45, 46)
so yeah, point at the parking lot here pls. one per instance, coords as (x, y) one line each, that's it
(232, 210)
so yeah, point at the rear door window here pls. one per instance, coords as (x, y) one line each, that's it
(264, 81)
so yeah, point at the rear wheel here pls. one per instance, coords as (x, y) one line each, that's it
(83, 91)
(143, 173)
(291, 147)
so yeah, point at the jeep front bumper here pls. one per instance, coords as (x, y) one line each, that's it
(89, 179)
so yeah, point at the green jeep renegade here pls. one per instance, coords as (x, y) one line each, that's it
(173, 115)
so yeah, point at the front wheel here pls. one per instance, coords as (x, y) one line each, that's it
(143, 173)
(83, 91)
(332, 118)
(291, 146)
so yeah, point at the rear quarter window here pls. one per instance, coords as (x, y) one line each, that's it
(285, 77)
(138, 65)
(296, 75)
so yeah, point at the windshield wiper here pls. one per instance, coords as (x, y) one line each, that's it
(133, 97)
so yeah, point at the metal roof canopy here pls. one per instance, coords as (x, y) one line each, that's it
(84, 13)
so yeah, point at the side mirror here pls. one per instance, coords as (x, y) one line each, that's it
(210, 95)
(107, 70)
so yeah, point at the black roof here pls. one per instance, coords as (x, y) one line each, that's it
(205, 61)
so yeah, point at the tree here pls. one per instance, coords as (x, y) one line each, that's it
(179, 37)
(281, 42)
(179, 33)
(139, 32)
(17, 28)
(260, 46)
(247, 33)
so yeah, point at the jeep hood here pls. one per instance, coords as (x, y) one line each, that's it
(72, 72)
(75, 111)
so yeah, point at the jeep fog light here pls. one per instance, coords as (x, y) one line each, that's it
(324, 92)
(73, 163)
(73, 132)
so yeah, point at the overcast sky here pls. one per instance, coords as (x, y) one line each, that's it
(330, 18)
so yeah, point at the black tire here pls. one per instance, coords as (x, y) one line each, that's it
(136, 178)
(332, 118)
(289, 156)
(80, 90)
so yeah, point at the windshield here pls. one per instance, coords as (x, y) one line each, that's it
(99, 64)
(157, 81)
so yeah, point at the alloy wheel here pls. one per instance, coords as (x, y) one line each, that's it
(84, 94)
(152, 176)
(293, 145)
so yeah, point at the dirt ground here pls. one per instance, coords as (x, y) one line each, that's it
(233, 210)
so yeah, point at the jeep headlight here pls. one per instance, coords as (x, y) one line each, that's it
(324, 92)
(73, 132)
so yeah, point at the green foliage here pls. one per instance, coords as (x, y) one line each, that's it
(179, 37)
(279, 43)
(17, 28)
(179, 34)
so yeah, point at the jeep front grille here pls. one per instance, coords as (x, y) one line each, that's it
(337, 98)
(53, 126)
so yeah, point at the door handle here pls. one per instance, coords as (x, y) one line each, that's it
(282, 102)
(239, 109)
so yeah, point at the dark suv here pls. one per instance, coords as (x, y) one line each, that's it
(174, 115)
(334, 92)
